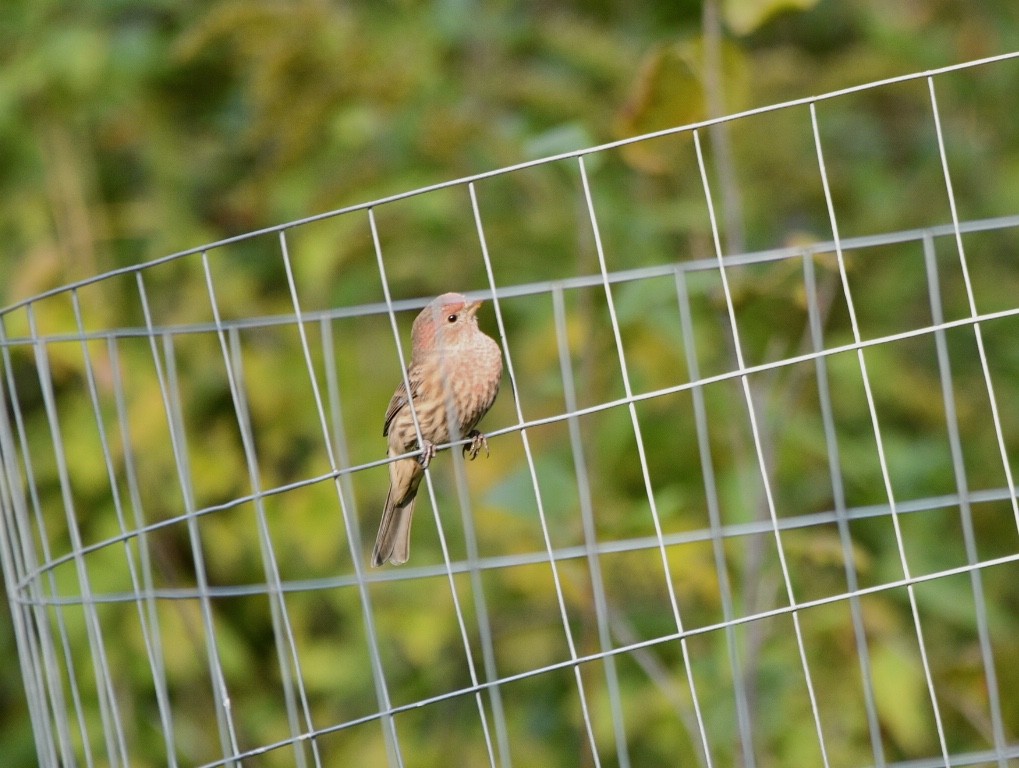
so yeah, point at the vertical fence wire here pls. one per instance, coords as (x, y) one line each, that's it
(108, 709)
(715, 524)
(149, 619)
(971, 299)
(759, 448)
(15, 556)
(286, 646)
(842, 517)
(533, 474)
(461, 622)
(642, 458)
(129, 545)
(392, 742)
(39, 614)
(165, 375)
(948, 389)
(878, 440)
(601, 608)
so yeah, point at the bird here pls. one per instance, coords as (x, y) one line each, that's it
(454, 376)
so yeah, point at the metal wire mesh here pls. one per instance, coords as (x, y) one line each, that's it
(128, 621)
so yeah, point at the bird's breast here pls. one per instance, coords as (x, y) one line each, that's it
(457, 388)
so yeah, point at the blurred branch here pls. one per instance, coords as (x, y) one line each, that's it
(732, 204)
(66, 177)
(661, 676)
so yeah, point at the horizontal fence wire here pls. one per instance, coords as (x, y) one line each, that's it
(167, 480)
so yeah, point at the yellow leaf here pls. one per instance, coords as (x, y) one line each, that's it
(668, 93)
(744, 16)
(901, 695)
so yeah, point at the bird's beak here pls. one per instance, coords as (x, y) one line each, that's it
(473, 307)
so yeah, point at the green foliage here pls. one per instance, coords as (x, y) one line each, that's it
(129, 131)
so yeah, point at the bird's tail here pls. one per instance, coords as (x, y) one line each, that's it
(392, 545)
(393, 542)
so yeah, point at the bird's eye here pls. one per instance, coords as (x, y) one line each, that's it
(451, 318)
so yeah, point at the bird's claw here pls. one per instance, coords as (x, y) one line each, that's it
(478, 441)
(427, 454)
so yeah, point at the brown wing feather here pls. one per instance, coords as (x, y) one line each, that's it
(399, 399)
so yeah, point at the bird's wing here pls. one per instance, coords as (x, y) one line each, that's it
(399, 399)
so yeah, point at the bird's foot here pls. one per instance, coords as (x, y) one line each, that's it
(427, 453)
(478, 441)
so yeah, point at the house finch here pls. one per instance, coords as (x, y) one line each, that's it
(454, 377)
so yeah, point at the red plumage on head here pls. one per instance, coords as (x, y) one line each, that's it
(435, 316)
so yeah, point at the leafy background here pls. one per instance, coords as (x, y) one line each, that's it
(130, 130)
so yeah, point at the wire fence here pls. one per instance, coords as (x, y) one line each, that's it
(844, 571)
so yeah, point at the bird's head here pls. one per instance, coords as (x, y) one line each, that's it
(448, 322)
